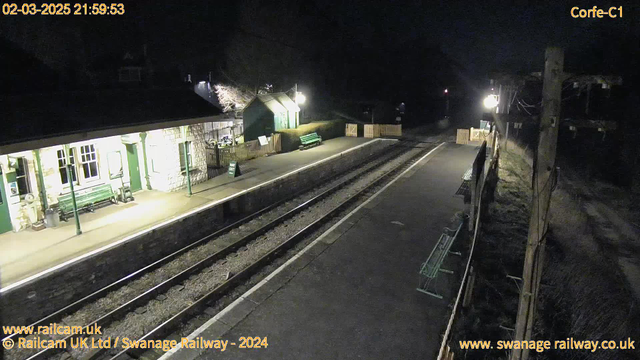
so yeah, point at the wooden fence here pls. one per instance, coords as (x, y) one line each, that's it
(371, 130)
(390, 130)
(221, 157)
(462, 136)
(378, 130)
(351, 130)
(482, 185)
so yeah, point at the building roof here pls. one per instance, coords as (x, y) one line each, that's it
(276, 102)
(42, 116)
(287, 102)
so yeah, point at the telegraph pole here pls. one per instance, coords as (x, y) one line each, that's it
(543, 179)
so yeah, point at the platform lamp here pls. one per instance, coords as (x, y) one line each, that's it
(70, 172)
(183, 131)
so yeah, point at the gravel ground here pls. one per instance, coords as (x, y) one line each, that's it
(145, 318)
(199, 284)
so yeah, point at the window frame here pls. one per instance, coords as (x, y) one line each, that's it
(86, 159)
(74, 166)
(23, 163)
(181, 149)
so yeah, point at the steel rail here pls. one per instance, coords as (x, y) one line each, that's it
(218, 292)
(164, 286)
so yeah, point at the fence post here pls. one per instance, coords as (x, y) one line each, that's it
(217, 153)
(468, 291)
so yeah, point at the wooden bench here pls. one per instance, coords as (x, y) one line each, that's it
(464, 189)
(310, 140)
(433, 266)
(86, 200)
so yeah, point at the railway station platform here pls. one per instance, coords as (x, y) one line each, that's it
(28, 253)
(352, 292)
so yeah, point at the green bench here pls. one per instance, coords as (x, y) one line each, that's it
(310, 140)
(86, 200)
(433, 266)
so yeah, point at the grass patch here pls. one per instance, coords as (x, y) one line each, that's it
(587, 297)
(499, 252)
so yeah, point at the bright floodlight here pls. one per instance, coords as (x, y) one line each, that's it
(300, 99)
(491, 101)
(446, 91)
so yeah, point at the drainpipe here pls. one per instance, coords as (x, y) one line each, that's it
(143, 138)
(73, 194)
(43, 191)
(186, 164)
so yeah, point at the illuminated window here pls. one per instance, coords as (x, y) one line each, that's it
(181, 152)
(62, 166)
(22, 176)
(89, 161)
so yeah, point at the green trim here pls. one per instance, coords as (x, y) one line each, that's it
(5, 216)
(73, 193)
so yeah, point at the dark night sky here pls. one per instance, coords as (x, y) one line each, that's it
(206, 35)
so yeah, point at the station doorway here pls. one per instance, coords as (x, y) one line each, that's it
(134, 167)
(5, 217)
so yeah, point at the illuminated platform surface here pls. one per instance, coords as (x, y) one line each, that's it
(352, 294)
(29, 252)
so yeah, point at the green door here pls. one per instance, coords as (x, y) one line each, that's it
(134, 168)
(5, 219)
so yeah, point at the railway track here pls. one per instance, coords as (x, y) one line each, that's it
(226, 253)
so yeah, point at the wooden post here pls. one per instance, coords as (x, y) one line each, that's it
(506, 137)
(542, 187)
(468, 291)
(477, 177)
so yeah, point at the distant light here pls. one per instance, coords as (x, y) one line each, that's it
(300, 99)
(490, 101)
(491, 89)
(446, 91)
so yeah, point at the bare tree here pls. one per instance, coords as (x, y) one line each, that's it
(232, 98)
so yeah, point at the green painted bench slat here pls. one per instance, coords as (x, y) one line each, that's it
(433, 266)
(310, 139)
(85, 198)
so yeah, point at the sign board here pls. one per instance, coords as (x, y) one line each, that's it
(517, 125)
(234, 169)
(263, 140)
(13, 189)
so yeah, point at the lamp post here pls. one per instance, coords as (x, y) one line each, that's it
(183, 130)
(73, 194)
(446, 95)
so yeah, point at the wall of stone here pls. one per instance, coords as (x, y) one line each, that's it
(164, 158)
(44, 295)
